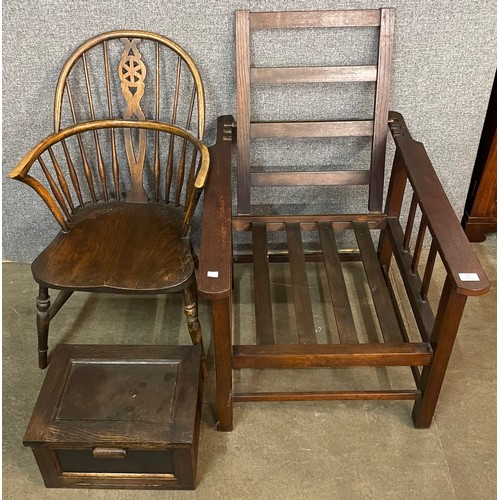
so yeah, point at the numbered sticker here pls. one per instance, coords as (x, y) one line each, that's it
(468, 276)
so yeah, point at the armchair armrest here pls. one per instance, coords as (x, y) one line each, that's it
(454, 248)
(216, 253)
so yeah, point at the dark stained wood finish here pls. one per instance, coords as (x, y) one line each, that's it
(311, 129)
(262, 286)
(319, 74)
(429, 267)
(222, 325)
(137, 427)
(383, 305)
(410, 221)
(336, 283)
(421, 309)
(418, 244)
(109, 243)
(352, 177)
(456, 253)
(326, 396)
(381, 109)
(480, 213)
(311, 19)
(324, 355)
(131, 236)
(307, 222)
(243, 109)
(451, 306)
(410, 164)
(300, 287)
(216, 251)
(393, 205)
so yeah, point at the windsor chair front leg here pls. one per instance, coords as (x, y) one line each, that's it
(42, 324)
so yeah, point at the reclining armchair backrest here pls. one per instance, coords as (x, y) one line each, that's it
(374, 126)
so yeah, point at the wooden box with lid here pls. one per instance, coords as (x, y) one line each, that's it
(111, 416)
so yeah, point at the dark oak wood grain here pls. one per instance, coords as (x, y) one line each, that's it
(381, 108)
(326, 396)
(383, 305)
(312, 238)
(137, 426)
(300, 287)
(262, 285)
(319, 74)
(336, 282)
(323, 355)
(100, 178)
(311, 19)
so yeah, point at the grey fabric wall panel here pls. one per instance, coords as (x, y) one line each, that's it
(444, 64)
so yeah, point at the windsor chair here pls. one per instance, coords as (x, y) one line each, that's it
(299, 241)
(121, 174)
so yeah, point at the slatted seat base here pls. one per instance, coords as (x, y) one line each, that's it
(323, 326)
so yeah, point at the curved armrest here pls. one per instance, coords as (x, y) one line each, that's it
(454, 248)
(216, 252)
(59, 201)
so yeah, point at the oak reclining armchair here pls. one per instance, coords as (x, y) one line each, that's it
(122, 188)
(417, 211)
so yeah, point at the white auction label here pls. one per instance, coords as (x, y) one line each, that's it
(213, 274)
(468, 276)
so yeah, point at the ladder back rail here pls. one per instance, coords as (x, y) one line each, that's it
(313, 74)
(336, 178)
(246, 75)
(360, 128)
(318, 19)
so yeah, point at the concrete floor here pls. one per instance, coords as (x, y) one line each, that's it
(335, 450)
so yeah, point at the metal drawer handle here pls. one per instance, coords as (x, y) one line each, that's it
(109, 453)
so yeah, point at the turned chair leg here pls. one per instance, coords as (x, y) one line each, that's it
(42, 324)
(191, 310)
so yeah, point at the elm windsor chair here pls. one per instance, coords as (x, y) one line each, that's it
(423, 353)
(122, 188)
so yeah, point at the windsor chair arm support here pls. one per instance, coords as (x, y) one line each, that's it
(55, 200)
(216, 260)
(453, 246)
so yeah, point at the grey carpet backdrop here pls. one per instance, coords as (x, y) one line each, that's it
(444, 65)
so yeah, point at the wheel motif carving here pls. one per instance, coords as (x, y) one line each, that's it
(132, 73)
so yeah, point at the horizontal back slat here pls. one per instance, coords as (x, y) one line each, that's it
(311, 129)
(323, 19)
(315, 74)
(341, 177)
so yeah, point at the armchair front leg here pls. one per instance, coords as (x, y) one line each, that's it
(216, 263)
